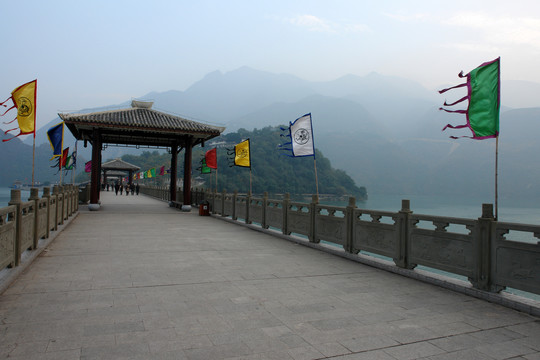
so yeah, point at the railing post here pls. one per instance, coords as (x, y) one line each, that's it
(16, 200)
(233, 206)
(285, 209)
(485, 231)
(313, 218)
(214, 193)
(47, 195)
(34, 196)
(75, 198)
(349, 224)
(403, 234)
(248, 203)
(56, 192)
(61, 191)
(223, 193)
(263, 212)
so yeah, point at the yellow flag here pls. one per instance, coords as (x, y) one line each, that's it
(242, 154)
(24, 98)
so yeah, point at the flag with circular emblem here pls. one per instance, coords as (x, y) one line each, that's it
(24, 100)
(242, 154)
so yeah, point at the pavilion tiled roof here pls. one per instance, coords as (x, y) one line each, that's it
(139, 125)
(119, 164)
(141, 118)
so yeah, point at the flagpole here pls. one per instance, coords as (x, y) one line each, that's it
(316, 178)
(61, 171)
(33, 157)
(250, 186)
(497, 177)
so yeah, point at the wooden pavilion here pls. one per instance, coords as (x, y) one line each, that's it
(138, 126)
(118, 166)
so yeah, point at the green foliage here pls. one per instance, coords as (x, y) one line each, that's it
(272, 170)
(148, 160)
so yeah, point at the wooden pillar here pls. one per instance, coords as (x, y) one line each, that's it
(95, 176)
(174, 172)
(187, 175)
(130, 178)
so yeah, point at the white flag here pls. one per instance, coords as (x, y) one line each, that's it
(302, 136)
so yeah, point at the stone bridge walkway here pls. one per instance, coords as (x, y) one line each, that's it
(139, 280)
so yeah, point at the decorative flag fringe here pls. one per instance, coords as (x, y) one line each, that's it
(9, 122)
(5, 101)
(455, 126)
(454, 111)
(466, 97)
(453, 87)
(5, 112)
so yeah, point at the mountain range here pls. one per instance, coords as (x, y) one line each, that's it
(384, 131)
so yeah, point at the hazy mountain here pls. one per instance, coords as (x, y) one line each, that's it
(384, 131)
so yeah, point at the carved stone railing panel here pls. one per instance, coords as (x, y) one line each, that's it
(298, 218)
(439, 248)
(8, 234)
(516, 264)
(228, 205)
(52, 212)
(372, 235)
(256, 210)
(240, 208)
(274, 214)
(27, 225)
(330, 224)
(42, 218)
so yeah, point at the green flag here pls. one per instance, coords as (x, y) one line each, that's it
(484, 95)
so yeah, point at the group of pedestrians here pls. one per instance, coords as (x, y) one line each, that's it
(128, 188)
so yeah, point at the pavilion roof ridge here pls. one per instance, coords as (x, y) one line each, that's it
(118, 164)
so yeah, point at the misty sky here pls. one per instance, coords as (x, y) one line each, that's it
(97, 53)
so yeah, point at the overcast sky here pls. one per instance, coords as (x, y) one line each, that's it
(97, 53)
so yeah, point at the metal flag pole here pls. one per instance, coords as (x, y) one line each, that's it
(250, 181)
(316, 178)
(33, 157)
(60, 166)
(497, 177)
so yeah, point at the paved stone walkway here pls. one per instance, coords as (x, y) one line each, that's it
(139, 280)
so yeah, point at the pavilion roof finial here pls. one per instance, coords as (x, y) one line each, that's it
(141, 104)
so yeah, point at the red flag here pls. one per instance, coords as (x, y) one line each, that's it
(63, 160)
(211, 158)
(88, 166)
(162, 170)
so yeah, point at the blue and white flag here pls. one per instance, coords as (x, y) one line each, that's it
(301, 133)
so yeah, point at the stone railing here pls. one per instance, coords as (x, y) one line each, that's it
(24, 223)
(479, 249)
(483, 250)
